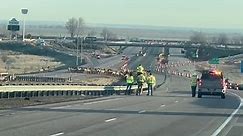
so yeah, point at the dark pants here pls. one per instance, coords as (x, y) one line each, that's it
(128, 90)
(139, 90)
(150, 89)
(193, 90)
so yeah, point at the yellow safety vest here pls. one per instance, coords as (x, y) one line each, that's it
(194, 81)
(130, 79)
(140, 69)
(151, 79)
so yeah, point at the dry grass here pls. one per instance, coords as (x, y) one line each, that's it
(15, 63)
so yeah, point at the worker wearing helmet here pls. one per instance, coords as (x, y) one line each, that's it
(194, 80)
(151, 81)
(130, 81)
(140, 69)
(141, 79)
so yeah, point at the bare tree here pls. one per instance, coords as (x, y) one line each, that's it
(92, 33)
(241, 39)
(223, 39)
(3, 30)
(236, 39)
(81, 26)
(198, 37)
(214, 39)
(72, 26)
(107, 34)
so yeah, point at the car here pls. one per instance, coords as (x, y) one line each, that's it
(98, 57)
(211, 83)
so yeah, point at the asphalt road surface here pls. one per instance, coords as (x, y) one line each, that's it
(169, 112)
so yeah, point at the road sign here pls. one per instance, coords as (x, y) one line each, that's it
(241, 66)
(13, 25)
(214, 61)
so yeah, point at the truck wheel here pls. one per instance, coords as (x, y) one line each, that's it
(199, 95)
(222, 96)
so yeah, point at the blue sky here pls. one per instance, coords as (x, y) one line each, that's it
(179, 13)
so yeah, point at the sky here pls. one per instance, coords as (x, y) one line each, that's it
(176, 13)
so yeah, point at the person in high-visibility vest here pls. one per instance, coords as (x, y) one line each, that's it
(140, 69)
(194, 81)
(130, 81)
(151, 81)
(141, 79)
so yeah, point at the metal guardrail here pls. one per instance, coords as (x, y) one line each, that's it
(60, 88)
(12, 91)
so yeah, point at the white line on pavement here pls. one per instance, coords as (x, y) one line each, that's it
(162, 105)
(142, 111)
(109, 120)
(62, 107)
(229, 118)
(102, 101)
(57, 134)
(176, 101)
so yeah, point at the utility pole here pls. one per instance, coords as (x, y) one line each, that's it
(81, 49)
(77, 44)
(24, 11)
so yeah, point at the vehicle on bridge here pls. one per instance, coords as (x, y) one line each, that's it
(141, 53)
(211, 83)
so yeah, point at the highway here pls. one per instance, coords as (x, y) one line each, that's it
(170, 112)
(111, 62)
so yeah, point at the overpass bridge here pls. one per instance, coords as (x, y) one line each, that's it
(167, 44)
(145, 44)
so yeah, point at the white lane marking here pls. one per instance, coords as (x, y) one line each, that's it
(176, 101)
(162, 105)
(57, 134)
(62, 107)
(109, 120)
(142, 111)
(229, 118)
(102, 101)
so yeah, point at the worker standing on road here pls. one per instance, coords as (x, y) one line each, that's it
(194, 84)
(140, 69)
(130, 81)
(151, 81)
(140, 80)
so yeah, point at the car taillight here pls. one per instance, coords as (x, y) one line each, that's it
(200, 82)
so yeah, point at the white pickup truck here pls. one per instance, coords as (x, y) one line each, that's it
(211, 83)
